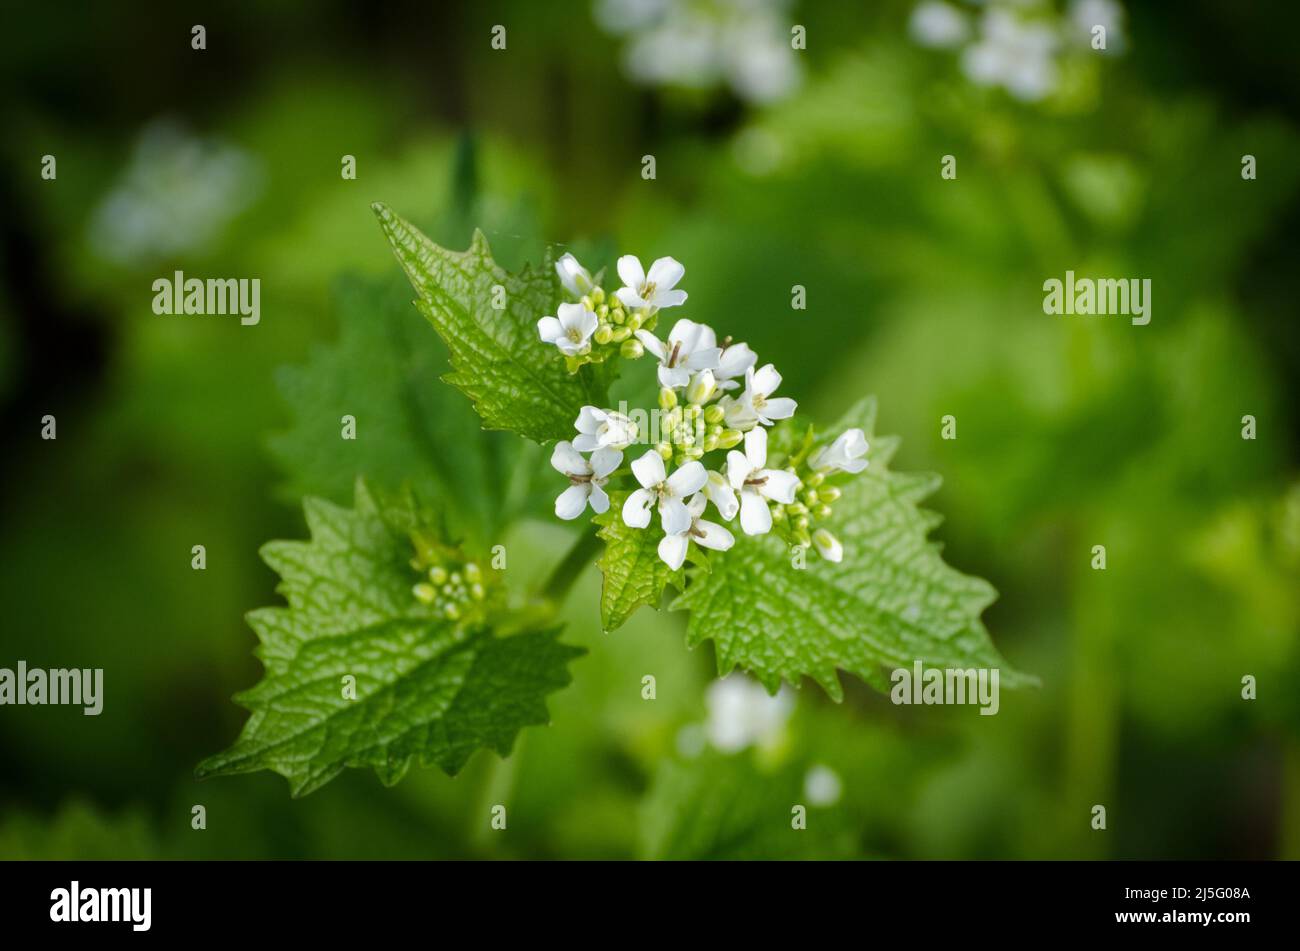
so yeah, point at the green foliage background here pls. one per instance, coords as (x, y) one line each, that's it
(180, 431)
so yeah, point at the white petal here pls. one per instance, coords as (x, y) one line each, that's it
(755, 516)
(589, 419)
(636, 510)
(669, 298)
(712, 535)
(586, 442)
(766, 380)
(672, 549)
(735, 360)
(575, 278)
(599, 500)
(855, 466)
(572, 501)
(695, 504)
(723, 496)
(780, 485)
(688, 480)
(605, 461)
(780, 408)
(706, 358)
(566, 459)
(549, 329)
(630, 298)
(653, 344)
(630, 272)
(738, 469)
(649, 469)
(664, 273)
(756, 448)
(708, 339)
(828, 546)
(685, 333)
(673, 515)
(675, 377)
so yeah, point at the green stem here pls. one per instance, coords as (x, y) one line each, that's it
(567, 571)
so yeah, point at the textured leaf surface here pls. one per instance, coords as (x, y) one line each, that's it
(515, 381)
(410, 428)
(427, 690)
(891, 601)
(633, 573)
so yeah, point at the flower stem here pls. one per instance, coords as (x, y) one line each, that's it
(571, 566)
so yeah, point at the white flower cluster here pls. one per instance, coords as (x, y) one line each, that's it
(703, 405)
(1015, 43)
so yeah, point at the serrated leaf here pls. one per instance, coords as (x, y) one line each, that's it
(890, 602)
(515, 381)
(633, 573)
(428, 690)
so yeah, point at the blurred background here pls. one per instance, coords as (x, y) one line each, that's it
(774, 167)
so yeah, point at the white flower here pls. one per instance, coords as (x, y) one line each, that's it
(828, 546)
(938, 25)
(1014, 54)
(755, 405)
(587, 478)
(742, 713)
(672, 548)
(736, 359)
(722, 495)
(668, 492)
(1087, 14)
(843, 455)
(575, 278)
(571, 331)
(603, 429)
(822, 786)
(653, 290)
(757, 484)
(690, 347)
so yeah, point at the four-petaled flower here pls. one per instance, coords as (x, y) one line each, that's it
(575, 278)
(587, 479)
(843, 455)
(602, 429)
(653, 290)
(668, 492)
(756, 405)
(571, 331)
(690, 347)
(757, 484)
(672, 548)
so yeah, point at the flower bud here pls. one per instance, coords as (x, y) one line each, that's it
(598, 295)
(438, 574)
(730, 438)
(452, 612)
(710, 442)
(816, 479)
(810, 497)
(701, 388)
(829, 494)
(797, 508)
(667, 398)
(713, 414)
(621, 334)
(476, 591)
(635, 321)
(632, 349)
(424, 593)
(618, 315)
(602, 311)
(586, 302)
(665, 450)
(473, 572)
(693, 452)
(828, 546)
(604, 334)
(822, 511)
(778, 513)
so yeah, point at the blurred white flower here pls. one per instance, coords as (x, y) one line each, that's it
(743, 714)
(1086, 14)
(822, 786)
(701, 43)
(1013, 53)
(177, 193)
(938, 25)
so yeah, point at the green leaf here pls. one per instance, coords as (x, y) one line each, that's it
(516, 382)
(428, 689)
(410, 428)
(632, 570)
(890, 602)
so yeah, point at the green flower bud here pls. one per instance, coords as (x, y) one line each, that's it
(587, 302)
(710, 442)
(667, 398)
(476, 592)
(801, 523)
(618, 314)
(714, 414)
(598, 295)
(602, 311)
(822, 511)
(424, 593)
(438, 574)
(829, 494)
(694, 452)
(635, 321)
(665, 450)
(810, 497)
(797, 508)
(604, 334)
(621, 334)
(631, 349)
(814, 480)
(473, 572)
(778, 513)
(730, 438)
(452, 612)
(701, 388)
